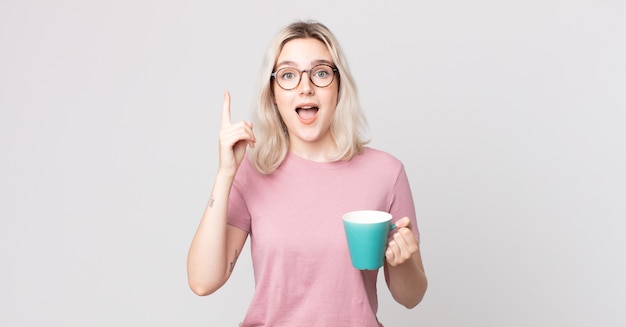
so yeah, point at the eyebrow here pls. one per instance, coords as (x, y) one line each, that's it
(313, 63)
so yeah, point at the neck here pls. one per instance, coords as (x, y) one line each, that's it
(314, 151)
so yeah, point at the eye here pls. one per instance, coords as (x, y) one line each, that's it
(288, 74)
(322, 72)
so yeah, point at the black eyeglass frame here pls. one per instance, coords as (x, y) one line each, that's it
(308, 72)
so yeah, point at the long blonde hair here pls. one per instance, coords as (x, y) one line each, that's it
(348, 127)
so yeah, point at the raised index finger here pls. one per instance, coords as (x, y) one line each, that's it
(226, 110)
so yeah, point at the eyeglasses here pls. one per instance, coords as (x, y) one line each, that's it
(288, 78)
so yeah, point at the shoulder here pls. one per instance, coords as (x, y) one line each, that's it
(378, 157)
(246, 169)
(377, 162)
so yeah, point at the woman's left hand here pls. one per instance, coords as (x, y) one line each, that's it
(402, 244)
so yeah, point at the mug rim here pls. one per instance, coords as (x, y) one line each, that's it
(372, 217)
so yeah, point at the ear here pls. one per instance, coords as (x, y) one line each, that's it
(272, 94)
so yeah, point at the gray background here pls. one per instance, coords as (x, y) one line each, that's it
(509, 116)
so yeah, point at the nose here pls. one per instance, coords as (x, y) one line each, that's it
(305, 86)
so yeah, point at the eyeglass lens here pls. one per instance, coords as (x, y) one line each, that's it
(289, 77)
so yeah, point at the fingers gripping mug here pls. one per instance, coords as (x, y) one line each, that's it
(367, 232)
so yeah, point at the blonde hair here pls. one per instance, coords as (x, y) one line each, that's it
(348, 127)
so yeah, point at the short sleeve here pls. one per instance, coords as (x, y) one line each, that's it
(238, 214)
(402, 204)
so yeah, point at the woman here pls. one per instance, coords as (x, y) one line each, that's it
(307, 165)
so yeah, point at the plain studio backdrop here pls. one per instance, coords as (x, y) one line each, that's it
(508, 115)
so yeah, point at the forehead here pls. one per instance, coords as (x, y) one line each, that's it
(303, 52)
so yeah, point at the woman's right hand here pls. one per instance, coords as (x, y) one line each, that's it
(233, 138)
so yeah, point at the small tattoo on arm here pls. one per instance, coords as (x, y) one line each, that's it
(211, 201)
(232, 263)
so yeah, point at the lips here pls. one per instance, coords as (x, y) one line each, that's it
(307, 113)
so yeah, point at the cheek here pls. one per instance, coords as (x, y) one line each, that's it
(332, 101)
(279, 100)
(334, 95)
(283, 107)
(279, 95)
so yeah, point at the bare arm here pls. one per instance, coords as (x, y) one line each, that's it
(404, 270)
(216, 245)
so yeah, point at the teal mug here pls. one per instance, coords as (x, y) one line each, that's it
(367, 232)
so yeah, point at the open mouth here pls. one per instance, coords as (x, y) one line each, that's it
(307, 113)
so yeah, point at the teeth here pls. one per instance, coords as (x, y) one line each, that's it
(307, 107)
